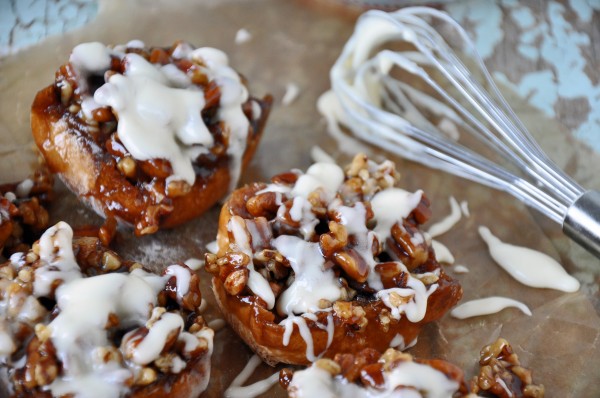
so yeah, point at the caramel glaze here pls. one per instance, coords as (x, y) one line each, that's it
(258, 327)
(82, 157)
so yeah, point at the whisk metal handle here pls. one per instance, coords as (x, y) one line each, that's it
(582, 222)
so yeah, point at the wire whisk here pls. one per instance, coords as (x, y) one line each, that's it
(374, 100)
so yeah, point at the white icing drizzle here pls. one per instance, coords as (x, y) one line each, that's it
(299, 206)
(314, 382)
(319, 155)
(442, 253)
(85, 305)
(504, 386)
(292, 91)
(203, 305)
(277, 188)
(299, 321)
(301, 212)
(23, 189)
(4, 215)
(155, 119)
(208, 335)
(7, 344)
(18, 259)
(327, 176)
(194, 263)
(256, 109)
(412, 302)
(233, 95)
(256, 282)
(56, 255)
(421, 377)
(530, 267)
(31, 310)
(390, 206)
(242, 36)
(487, 306)
(312, 282)
(93, 57)
(135, 43)
(190, 341)
(90, 386)
(217, 324)
(245, 374)
(330, 330)
(212, 247)
(153, 343)
(353, 218)
(444, 225)
(182, 276)
(236, 390)
(397, 341)
(253, 390)
(289, 322)
(408, 379)
(11, 197)
(464, 206)
(460, 269)
(177, 365)
(399, 344)
(159, 108)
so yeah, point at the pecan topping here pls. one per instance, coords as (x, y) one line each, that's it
(235, 282)
(502, 374)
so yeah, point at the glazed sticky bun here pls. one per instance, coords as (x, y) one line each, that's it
(77, 320)
(328, 261)
(149, 137)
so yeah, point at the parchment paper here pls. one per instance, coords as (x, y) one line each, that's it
(297, 42)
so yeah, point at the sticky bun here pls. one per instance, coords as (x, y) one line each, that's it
(78, 320)
(323, 262)
(149, 137)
